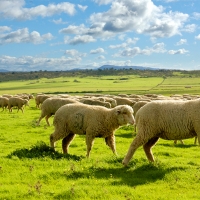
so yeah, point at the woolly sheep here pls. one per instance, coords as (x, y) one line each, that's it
(18, 102)
(51, 105)
(92, 121)
(3, 102)
(95, 102)
(39, 99)
(124, 101)
(169, 120)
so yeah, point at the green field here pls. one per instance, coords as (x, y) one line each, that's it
(29, 169)
(130, 84)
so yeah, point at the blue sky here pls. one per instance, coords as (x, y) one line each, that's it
(62, 35)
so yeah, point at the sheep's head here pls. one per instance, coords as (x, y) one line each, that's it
(125, 115)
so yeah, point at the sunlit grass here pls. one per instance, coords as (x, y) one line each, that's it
(29, 169)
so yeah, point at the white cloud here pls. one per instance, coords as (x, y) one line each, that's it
(179, 51)
(23, 36)
(80, 39)
(141, 17)
(197, 37)
(103, 2)
(29, 63)
(96, 51)
(132, 52)
(181, 42)
(59, 21)
(196, 15)
(101, 57)
(82, 8)
(16, 10)
(189, 28)
(4, 28)
(74, 52)
(128, 42)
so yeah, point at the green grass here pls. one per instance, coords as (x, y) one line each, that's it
(29, 169)
(130, 84)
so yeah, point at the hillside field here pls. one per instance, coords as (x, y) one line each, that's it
(29, 169)
(130, 84)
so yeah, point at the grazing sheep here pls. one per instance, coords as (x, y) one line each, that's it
(95, 102)
(51, 105)
(3, 102)
(39, 99)
(124, 101)
(18, 102)
(169, 120)
(92, 121)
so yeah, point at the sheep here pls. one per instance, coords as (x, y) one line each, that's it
(3, 102)
(16, 101)
(89, 120)
(39, 99)
(124, 101)
(95, 102)
(166, 119)
(51, 105)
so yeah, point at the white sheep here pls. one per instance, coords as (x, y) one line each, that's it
(92, 121)
(3, 102)
(18, 102)
(124, 101)
(39, 99)
(51, 105)
(90, 101)
(169, 120)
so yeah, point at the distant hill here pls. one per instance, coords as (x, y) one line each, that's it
(104, 67)
(3, 70)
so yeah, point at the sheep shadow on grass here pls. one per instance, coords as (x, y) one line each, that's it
(142, 174)
(41, 150)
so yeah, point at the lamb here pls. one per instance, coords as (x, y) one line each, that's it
(166, 119)
(91, 121)
(16, 101)
(3, 102)
(51, 105)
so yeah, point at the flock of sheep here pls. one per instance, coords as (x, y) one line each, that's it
(154, 116)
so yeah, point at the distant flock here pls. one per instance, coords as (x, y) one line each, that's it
(95, 115)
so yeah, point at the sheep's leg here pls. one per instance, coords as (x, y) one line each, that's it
(55, 137)
(47, 121)
(110, 141)
(147, 148)
(89, 143)
(66, 142)
(136, 143)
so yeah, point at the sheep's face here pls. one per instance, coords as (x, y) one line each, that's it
(125, 115)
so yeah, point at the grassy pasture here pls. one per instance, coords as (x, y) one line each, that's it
(130, 84)
(29, 169)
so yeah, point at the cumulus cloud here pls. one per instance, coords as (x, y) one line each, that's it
(29, 63)
(189, 28)
(140, 16)
(179, 51)
(80, 39)
(96, 51)
(16, 9)
(24, 36)
(74, 52)
(132, 52)
(181, 42)
(103, 2)
(128, 42)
